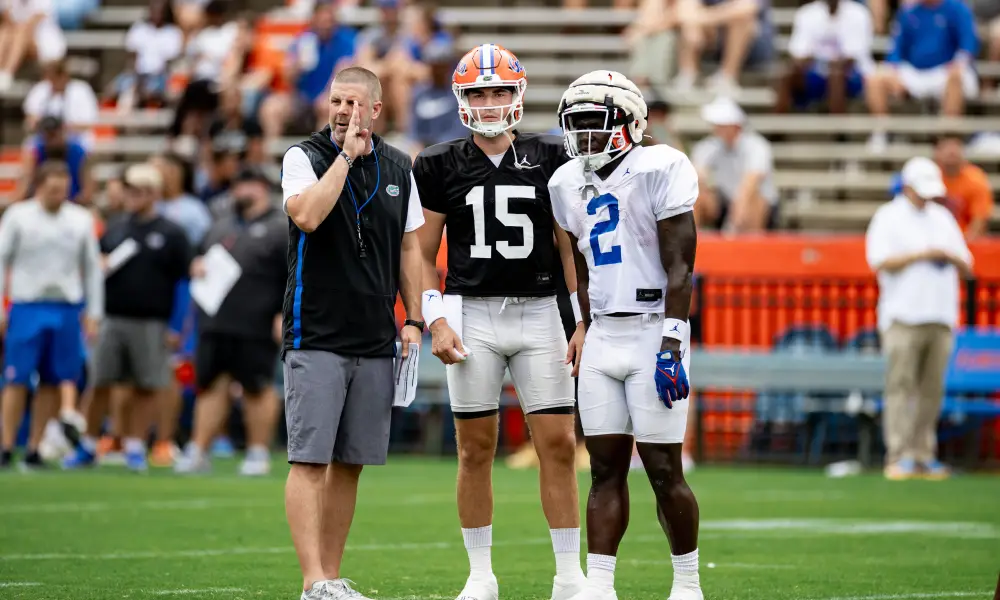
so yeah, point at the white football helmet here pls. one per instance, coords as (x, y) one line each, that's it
(602, 115)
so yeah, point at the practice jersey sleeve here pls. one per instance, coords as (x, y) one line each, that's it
(427, 191)
(560, 212)
(673, 187)
(296, 175)
(414, 210)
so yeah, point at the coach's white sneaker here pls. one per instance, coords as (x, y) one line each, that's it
(256, 463)
(340, 589)
(480, 588)
(565, 588)
(316, 592)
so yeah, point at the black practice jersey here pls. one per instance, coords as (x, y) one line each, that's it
(499, 219)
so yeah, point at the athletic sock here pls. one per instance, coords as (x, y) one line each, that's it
(566, 546)
(686, 569)
(477, 543)
(601, 571)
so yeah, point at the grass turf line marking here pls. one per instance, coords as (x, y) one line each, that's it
(914, 595)
(13, 584)
(185, 591)
(711, 565)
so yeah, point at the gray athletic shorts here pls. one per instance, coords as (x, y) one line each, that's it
(132, 351)
(337, 408)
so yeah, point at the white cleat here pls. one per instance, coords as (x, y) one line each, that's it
(480, 589)
(257, 463)
(686, 593)
(192, 461)
(565, 588)
(594, 593)
(316, 592)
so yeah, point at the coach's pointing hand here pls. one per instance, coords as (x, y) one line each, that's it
(356, 138)
(445, 343)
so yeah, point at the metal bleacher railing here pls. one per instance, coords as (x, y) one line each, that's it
(788, 370)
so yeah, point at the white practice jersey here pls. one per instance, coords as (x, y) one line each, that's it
(614, 221)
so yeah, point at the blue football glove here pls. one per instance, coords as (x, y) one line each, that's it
(671, 379)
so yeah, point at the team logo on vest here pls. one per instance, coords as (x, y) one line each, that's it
(392, 190)
(155, 240)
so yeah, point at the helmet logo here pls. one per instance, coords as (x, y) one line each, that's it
(461, 69)
(515, 65)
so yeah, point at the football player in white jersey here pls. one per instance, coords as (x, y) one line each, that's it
(628, 211)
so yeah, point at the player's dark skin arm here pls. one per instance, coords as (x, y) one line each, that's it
(582, 280)
(676, 506)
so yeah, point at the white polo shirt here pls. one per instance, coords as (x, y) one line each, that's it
(848, 34)
(923, 292)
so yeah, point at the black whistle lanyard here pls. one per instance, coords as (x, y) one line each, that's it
(362, 249)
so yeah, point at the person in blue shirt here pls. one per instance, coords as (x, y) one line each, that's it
(934, 47)
(314, 57)
(53, 142)
(434, 103)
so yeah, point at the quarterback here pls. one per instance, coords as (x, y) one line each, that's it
(628, 212)
(499, 307)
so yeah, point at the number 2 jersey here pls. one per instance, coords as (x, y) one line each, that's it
(615, 223)
(498, 217)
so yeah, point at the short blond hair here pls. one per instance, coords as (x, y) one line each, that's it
(363, 76)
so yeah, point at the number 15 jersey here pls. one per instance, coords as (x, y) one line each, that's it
(614, 221)
(498, 217)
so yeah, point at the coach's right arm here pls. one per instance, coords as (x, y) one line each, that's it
(308, 201)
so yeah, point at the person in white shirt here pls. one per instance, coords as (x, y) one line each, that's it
(27, 27)
(917, 250)
(736, 169)
(73, 101)
(628, 210)
(831, 50)
(153, 44)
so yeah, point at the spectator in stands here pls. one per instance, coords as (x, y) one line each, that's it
(208, 50)
(49, 265)
(153, 43)
(736, 170)
(831, 51)
(27, 28)
(146, 256)
(748, 41)
(73, 101)
(220, 166)
(243, 73)
(970, 197)
(313, 58)
(388, 49)
(71, 14)
(239, 343)
(659, 128)
(988, 13)
(239, 130)
(434, 103)
(177, 204)
(934, 47)
(53, 143)
(618, 4)
(917, 250)
(652, 42)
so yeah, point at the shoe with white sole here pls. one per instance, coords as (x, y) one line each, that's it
(565, 588)
(595, 593)
(257, 463)
(340, 589)
(480, 588)
(685, 592)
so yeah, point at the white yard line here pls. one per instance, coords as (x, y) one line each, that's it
(929, 595)
(13, 584)
(711, 565)
(184, 592)
(731, 529)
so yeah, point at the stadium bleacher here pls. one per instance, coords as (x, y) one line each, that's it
(810, 149)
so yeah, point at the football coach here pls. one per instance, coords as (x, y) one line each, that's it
(353, 210)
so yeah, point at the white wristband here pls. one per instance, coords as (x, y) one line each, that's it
(574, 300)
(432, 306)
(675, 328)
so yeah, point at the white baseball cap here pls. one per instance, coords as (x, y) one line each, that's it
(723, 111)
(924, 176)
(144, 175)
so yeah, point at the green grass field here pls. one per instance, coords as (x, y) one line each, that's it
(767, 534)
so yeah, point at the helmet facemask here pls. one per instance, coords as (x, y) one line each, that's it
(510, 114)
(597, 133)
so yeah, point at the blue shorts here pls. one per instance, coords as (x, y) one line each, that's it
(816, 85)
(44, 337)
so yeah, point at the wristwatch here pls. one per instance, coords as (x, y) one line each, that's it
(418, 324)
